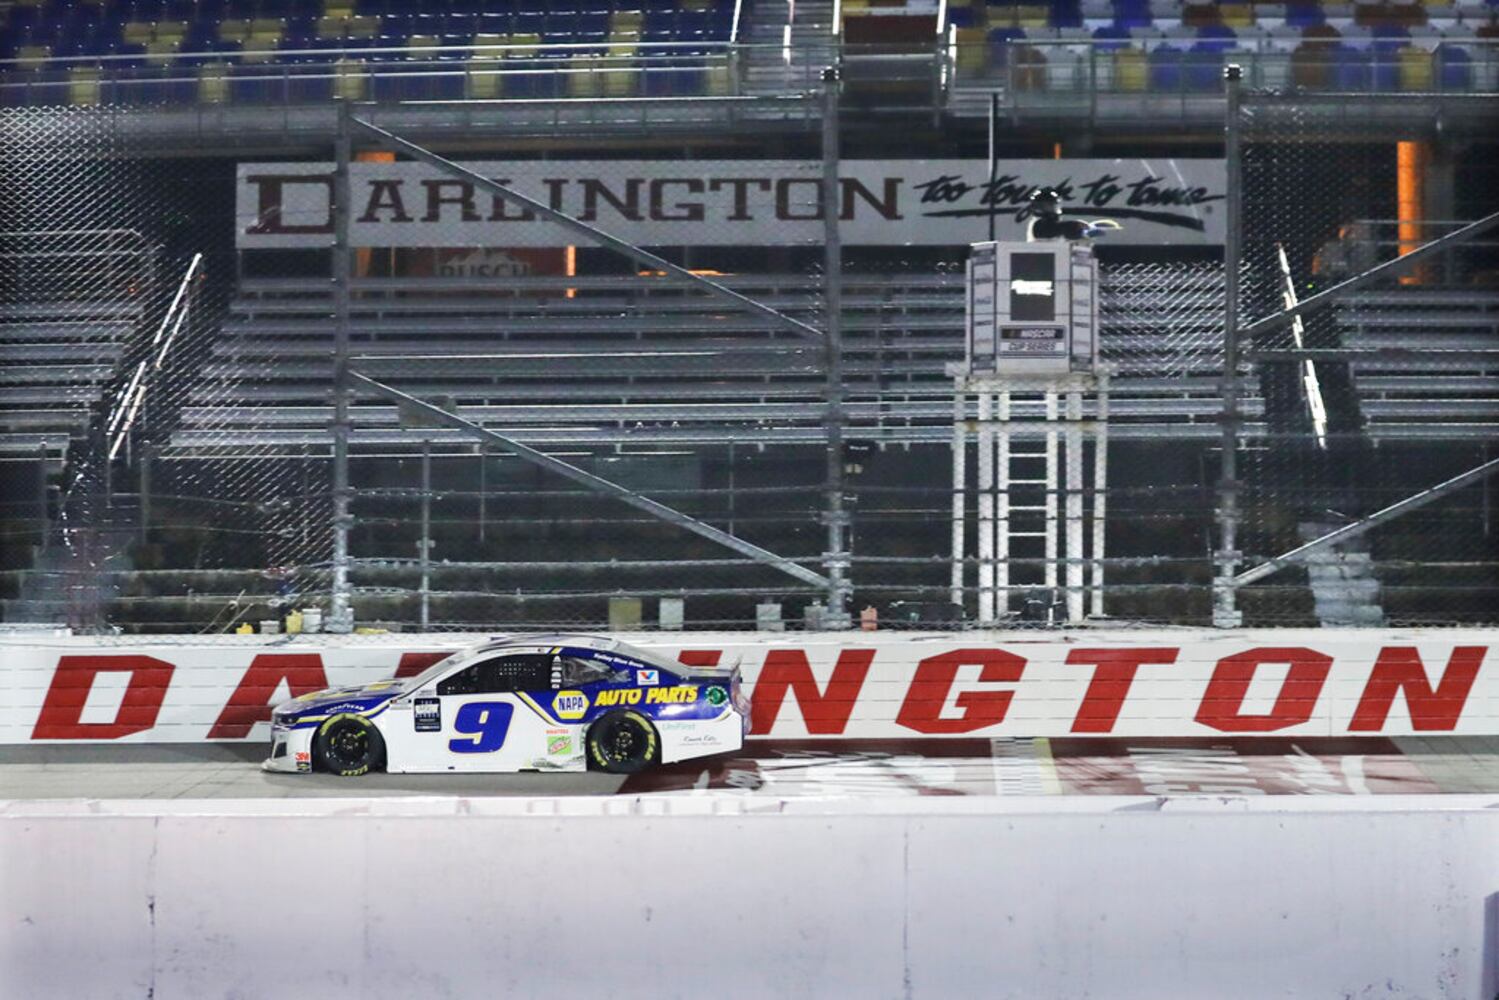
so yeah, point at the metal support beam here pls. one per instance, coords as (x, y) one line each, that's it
(643, 257)
(444, 418)
(341, 609)
(836, 562)
(1390, 268)
(1225, 613)
(1365, 524)
(424, 555)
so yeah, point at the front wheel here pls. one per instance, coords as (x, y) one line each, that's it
(349, 745)
(622, 743)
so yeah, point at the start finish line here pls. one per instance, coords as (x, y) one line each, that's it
(852, 685)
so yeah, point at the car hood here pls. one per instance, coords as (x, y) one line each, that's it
(351, 698)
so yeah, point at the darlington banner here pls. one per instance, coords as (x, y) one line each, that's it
(726, 202)
(856, 685)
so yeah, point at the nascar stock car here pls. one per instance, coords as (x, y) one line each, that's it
(552, 703)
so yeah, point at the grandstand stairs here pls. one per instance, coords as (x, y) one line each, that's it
(769, 69)
(70, 581)
(1344, 589)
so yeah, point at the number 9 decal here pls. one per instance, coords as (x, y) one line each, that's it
(488, 721)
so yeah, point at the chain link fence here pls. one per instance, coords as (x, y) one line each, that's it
(1376, 395)
(170, 391)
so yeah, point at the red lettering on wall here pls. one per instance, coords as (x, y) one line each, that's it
(251, 701)
(824, 711)
(1293, 705)
(1114, 672)
(922, 709)
(699, 657)
(1399, 669)
(414, 663)
(74, 679)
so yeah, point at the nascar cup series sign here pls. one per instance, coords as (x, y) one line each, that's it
(726, 202)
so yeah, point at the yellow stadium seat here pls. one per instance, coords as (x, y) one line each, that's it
(719, 82)
(1415, 69)
(349, 79)
(339, 9)
(483, 81)
(159, 51)
(83, 85)
(1131, 69)
(32, 56)
(973, 51)
(1032, 16)
(137, 32)
(213, 85)
(364, 26)
(329, 27)
(1236, 15)
(233, 30)
(422, 42)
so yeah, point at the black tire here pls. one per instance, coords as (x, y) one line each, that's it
(348, 745)
(623, 743)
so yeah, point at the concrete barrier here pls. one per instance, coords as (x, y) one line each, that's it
(1146, 683)
(703, 895)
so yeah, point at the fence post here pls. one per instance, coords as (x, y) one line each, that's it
(837, 559)
(341, 612)
(1225, 610)
(148, 451)
(425, 545)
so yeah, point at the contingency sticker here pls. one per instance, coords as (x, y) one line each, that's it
(428, 714)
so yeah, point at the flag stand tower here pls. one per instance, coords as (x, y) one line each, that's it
(1042, 407)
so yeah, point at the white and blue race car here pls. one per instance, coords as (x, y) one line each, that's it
(542, 703)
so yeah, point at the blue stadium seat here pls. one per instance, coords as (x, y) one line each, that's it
(1166, 68)
(1454, 68)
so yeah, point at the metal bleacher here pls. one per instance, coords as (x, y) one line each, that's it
(1440, 375)
(72, 302)
(638, 360)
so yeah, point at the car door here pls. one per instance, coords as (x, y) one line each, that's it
(478, 719)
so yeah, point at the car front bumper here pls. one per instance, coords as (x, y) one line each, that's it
(291, 751)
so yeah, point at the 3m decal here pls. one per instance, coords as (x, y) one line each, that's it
(426, 714)
(571, 705)
(488, 721)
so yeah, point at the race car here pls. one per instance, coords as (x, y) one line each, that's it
(539, 703)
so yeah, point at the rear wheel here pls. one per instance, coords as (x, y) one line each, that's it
(349, 745)
(623, 743)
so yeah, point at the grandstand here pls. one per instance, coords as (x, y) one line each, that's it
(220, 485)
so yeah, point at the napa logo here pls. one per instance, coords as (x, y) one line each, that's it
(570, 704)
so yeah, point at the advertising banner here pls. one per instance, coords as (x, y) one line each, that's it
(727, 202)
(851, 686)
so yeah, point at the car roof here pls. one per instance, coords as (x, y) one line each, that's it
(602, 643)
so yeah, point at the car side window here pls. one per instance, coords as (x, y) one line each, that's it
(501, 674)
(577, 672)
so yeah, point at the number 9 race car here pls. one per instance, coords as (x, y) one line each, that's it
(542, 703)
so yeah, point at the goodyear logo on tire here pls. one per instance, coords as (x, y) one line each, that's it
(570, 704)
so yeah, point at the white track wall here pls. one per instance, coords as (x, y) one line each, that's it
(1160, 683)
(698, 897)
